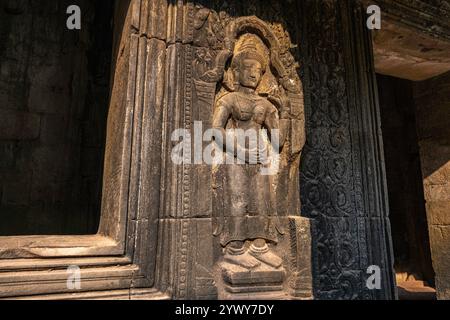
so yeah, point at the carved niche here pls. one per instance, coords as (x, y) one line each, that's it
(244, 79)
(339, 193)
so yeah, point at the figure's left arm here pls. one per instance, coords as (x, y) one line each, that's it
(275, 125)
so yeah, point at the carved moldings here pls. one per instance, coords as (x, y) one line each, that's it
(430, 17)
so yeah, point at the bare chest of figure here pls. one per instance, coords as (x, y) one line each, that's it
(248, 112)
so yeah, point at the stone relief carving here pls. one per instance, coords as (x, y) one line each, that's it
(334, 175)
(250, 209)
(330, 196)
(245, 78)
(331, 181)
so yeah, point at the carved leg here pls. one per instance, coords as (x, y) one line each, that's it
(261, 251)
(235, 253)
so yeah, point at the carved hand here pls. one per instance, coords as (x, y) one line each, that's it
(282, 103)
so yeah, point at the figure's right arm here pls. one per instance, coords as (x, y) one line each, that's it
(220, 119)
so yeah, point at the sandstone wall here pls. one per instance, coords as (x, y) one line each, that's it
(432, 99)
(54, 87)
(404, 177)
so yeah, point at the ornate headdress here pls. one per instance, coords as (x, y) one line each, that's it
(250, 46)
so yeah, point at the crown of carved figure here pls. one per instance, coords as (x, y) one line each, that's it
(250, 46)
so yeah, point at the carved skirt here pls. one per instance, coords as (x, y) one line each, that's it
(245, 204)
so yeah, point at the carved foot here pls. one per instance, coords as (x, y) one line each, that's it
(264, 255)
(244, 260)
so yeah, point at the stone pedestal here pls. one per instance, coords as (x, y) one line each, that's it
(262, 282)
(291, 281)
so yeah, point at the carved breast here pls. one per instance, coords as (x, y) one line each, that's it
(243, 108)
(249, 108)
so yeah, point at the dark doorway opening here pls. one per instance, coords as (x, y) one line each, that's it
(54, 96)
(413, 265)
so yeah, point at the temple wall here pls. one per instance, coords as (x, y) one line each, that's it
(404, 176)
(159, 215)
(54, 90)
(433, 126)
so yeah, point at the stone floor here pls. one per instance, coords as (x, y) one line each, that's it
(415, 290)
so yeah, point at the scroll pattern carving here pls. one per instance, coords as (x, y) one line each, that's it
(328, 191)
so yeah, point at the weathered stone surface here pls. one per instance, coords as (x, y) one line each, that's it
(415, 290)
(16, 192)
(19, 125)
(249, 61)
(341, 177)
(437, 192)
(435, 153)
(53, 129)
(107, 265)
(150, 204)
(433, 112)
(49, 89)
(425, 17)
(54, 91)
(440, 248)
(239, 276)
(300, 282)
(443, 285)
(407, 211)
(402, 52)
(439, 212)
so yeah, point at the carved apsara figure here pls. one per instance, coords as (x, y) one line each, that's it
(249, 221)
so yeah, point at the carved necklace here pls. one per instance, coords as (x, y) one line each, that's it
(246, 111)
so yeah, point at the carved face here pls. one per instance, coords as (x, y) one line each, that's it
(250, 73)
